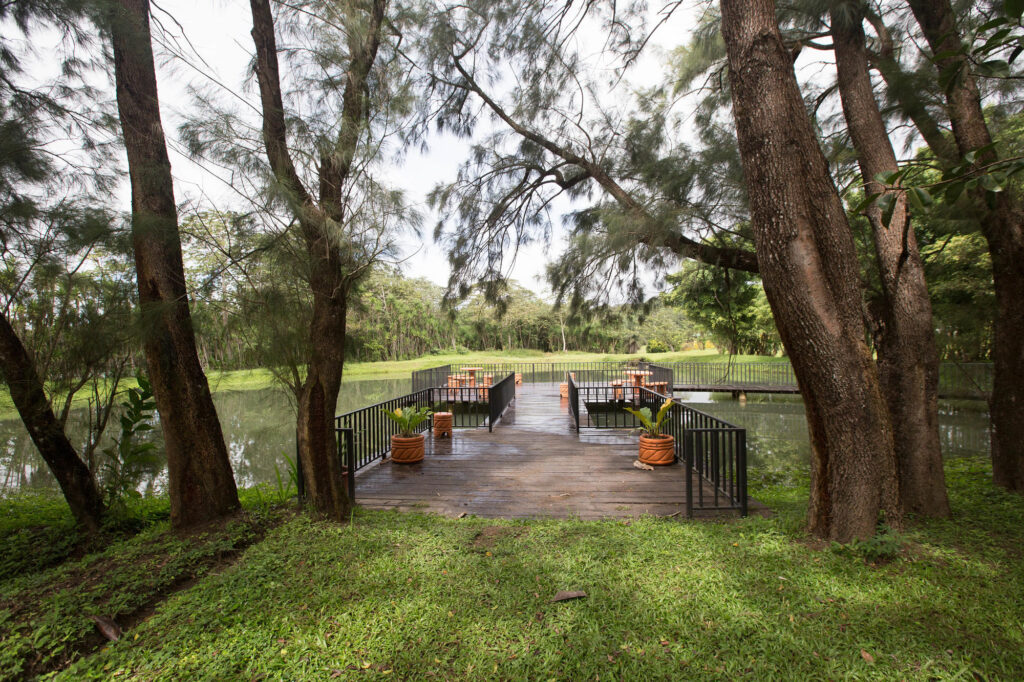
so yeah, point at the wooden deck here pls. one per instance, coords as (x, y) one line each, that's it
(532, 465)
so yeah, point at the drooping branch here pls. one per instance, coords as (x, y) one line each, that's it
(679, 243)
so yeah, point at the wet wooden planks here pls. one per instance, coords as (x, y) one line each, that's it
(532, 465)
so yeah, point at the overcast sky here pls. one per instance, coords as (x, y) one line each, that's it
(219, 32)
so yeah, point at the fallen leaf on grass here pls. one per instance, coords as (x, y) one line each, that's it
(563, 595)
(107, 627)
(866, 656)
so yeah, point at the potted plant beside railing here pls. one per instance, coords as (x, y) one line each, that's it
(407, 445)
(656, 448)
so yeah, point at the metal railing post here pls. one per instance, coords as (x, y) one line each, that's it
(300, 478)
(349, 462)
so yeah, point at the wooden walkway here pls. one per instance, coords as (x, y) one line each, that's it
(532, 465)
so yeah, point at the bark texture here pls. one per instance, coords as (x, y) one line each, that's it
(320, 219)
(1002, 223)
(73, 476)
(809, 267)
(201, 484)
(908, 359)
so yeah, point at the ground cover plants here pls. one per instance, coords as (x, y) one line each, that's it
(411, 596)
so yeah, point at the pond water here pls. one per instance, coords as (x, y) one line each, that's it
(259, 427)
(777, 428)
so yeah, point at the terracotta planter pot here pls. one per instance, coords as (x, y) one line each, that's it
(657, 451)
(563, 390)
(519, 378)
(442, 424)
(407, 450)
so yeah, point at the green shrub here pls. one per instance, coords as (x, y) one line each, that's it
(657, 346)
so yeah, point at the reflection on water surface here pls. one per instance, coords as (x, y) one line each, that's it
(777, 430)
(259, 427)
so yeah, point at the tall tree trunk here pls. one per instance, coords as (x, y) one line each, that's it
(318, 400)
(1002, 223)
(809, 267)
(329, 280)
(201, 483)
(908, 360)
(73, 476)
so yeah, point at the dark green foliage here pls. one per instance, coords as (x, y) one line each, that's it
(44, 618)
(731, 306)
(885, 545)
(130, 456)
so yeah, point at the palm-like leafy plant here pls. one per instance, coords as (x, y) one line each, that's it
(408, 419)
(651, 426)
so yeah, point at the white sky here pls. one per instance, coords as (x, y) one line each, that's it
(219, 32)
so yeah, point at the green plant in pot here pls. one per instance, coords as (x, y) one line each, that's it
(407, 444)
(656, 448)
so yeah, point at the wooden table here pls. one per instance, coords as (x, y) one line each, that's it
(472, 373)
(638, 375)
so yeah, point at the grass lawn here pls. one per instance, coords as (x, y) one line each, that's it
(416, 597)
(255, 379)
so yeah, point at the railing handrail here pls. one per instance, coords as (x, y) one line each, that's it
(499, 397)
(574, 399)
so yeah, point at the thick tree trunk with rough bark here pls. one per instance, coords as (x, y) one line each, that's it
(1002, 223)
(908, 360)
(27, 393)
(809, 267)
(201, 483)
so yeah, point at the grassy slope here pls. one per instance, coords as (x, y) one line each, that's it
(406, 596)
(255, 379)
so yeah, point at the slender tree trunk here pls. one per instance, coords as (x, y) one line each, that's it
(329, 280)
(201, 483)
(1002, 223)
(908, 360)
(809, 267)
(318, 400)
(73, 476)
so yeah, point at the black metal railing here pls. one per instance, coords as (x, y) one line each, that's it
(431, 377)
(574, 400)
(715, 453)
(603, 406)
(711, 374)
(346, 457)
(500, 396)
(468, 404)
(969, 380)
(956, 380)
(372, 429)
(713, 450)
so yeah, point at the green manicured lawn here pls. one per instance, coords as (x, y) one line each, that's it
(398, 369)
(255, 379)
(416, 597)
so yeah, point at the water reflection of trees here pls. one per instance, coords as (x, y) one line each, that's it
(259, 429)
(777, 430)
